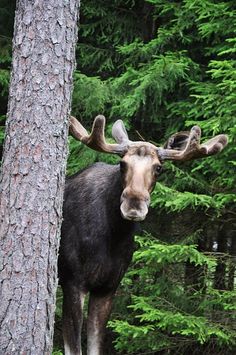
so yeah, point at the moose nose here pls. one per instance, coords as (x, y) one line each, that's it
(134, 208)
(135, 196)
(134, 215)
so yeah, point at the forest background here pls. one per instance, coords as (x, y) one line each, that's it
(163, 66)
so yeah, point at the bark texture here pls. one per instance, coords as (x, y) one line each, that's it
(33, 172)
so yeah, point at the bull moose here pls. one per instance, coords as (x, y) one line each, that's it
(102, 204)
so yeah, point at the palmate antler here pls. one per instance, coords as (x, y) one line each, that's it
(189, 146)
(96, 139)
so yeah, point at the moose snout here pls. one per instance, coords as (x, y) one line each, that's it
(134, 207)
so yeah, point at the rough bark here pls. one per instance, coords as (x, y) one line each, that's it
(33, 171)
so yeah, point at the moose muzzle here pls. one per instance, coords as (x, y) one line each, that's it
(134, 207)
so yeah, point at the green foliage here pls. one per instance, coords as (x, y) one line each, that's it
(173, 200)
(89, 97)
(4, 81)
(164, 315)
(153, 252)
(6, 29)
(105, 25)
(154, 79)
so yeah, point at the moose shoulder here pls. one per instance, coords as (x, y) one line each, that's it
(101, 206)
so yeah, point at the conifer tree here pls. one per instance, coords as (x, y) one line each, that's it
(33, 172)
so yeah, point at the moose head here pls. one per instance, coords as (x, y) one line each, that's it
(141, 162)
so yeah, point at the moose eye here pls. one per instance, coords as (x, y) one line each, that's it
(123, 166)
(157, 169)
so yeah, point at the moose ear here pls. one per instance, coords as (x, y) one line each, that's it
(119, 132)
(177, 141)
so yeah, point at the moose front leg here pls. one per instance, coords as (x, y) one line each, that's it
(72, 319)
(98, 314)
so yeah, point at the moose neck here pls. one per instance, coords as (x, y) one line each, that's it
(98, 190)
(121, 227)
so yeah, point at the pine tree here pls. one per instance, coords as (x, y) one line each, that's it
(33, 172)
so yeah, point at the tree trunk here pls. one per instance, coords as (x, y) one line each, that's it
(33, 171)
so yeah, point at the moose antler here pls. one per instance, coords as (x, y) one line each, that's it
(192, 148)
(181, 146)
(96, 139)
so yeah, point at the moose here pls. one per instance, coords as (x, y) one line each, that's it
(102, 204)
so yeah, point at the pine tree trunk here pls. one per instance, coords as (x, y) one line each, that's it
(33, 172)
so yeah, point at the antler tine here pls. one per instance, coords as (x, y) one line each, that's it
(193, 148)
(76, 129)
(96, 139)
